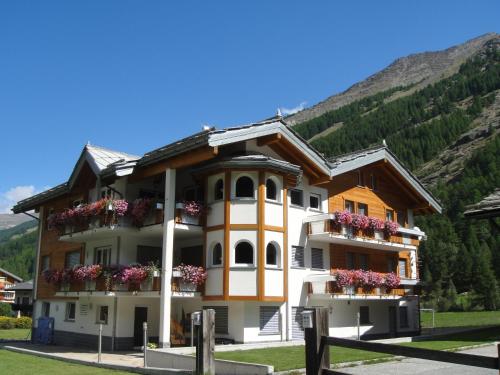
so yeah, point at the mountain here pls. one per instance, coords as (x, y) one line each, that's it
(11, 220)
(439, 112)
(419, 69)
(18, 248)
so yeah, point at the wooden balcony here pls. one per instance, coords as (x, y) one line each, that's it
(324, 229)
(329, 290)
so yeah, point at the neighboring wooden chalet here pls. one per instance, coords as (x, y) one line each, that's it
(274, 226)
(7, 280)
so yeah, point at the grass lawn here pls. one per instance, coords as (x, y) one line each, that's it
(24, 364)
(15, 333)
(461, 319)
(288, 358)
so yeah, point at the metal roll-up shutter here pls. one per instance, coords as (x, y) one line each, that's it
(221, 318)
(270, 320)
(297, 330)
(298, 256)
(317, 258)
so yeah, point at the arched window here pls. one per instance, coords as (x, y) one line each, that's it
(271, 190)
(244, 187)
(219, 190)
(217, 255)
(243, 253)
(272, 255)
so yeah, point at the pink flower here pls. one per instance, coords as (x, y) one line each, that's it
(392, 281)
(359, 222)
(344, 217)
(391, 227)
(120, 207)
(193, 208)
(192, 274)
(133, 275)
(139, 210)
(375, 224)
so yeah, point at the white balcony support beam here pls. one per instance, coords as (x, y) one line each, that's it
(167, 258)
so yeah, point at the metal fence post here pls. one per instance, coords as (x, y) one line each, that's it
(99, 344)
(358, 322)
(145, 341)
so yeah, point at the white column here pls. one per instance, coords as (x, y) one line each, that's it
(167, 257)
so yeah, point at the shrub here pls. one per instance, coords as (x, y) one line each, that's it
(6, 323)
(5, 309)
(23, 322)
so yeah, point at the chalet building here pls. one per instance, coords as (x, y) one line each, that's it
(23, 298)
(274, 225)
(8, 280)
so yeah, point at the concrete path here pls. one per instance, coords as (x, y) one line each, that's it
(424, 367)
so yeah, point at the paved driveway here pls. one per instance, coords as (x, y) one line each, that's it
(412, 366)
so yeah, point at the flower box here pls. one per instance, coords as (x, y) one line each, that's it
(179, 206)
(176, 273)
(64, 287)
(134, 287)
(90, 285)
(187, 287)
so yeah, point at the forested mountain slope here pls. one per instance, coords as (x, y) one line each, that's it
(448, 133)
(18, 248)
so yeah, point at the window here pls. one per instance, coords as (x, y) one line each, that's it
(70, 311)
(26, 301)
(389, 215)
(360, 178)
(363, 261)
(391, 264)
(72, 258)
(364, 315)
(363, 209)
(317, 258)
(219, 190)
(373, 182)
(315, 201)
(269, 320)
(403, 316)
(217, 255)
(401, 218)
(298, 256)
(271, 190)
(221, 318)
(102, 314)
(349, 206)
(272, 255)
(244, 187)
(297, 197)
(46, 309)
(243, 253)
(45, 262)
(402, 268)
(349, 261)
(102, 255)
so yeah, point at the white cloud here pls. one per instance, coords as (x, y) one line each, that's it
(14, 195)
(291, 111)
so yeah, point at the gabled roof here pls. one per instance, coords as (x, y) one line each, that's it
(489, 207)
(358, 159)
(5, 272)
(27, 285)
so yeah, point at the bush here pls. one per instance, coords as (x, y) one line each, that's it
(23, 322)
(5, 309)
(6, 323)
(9, 323)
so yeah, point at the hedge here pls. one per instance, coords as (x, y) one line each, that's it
(9, 323)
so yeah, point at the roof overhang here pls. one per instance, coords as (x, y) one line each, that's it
(383, 154)
(15, 277)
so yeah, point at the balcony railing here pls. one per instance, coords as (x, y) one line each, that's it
(154, 215)
(325, 227)
(330, 288)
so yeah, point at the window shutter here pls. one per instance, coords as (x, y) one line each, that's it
(297, 330)
(317, 258)
(297, 256)
(270, 320)
(221, 318)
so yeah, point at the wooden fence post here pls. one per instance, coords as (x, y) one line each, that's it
(317, 355)
(205, 343)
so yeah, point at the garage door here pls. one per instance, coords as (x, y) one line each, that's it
(297, 330)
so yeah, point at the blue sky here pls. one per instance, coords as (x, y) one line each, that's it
(135, 75)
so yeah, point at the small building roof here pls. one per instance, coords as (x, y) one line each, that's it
(489, 207)
(15, 277)
(27, 285)
(347, 162)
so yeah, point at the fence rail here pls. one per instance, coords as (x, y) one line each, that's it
(318, 342)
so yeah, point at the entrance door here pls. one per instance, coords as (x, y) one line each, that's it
(392, 321)
(140, 316)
